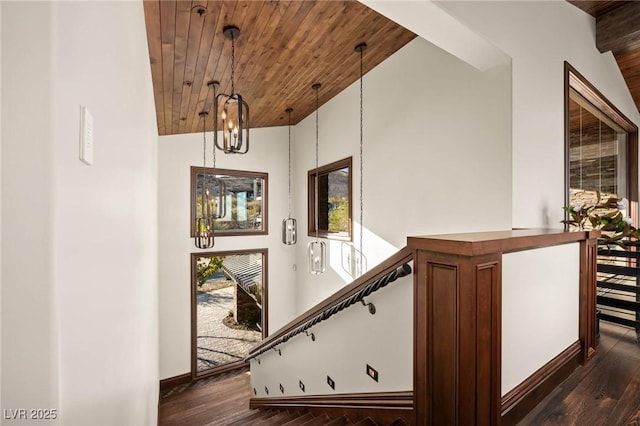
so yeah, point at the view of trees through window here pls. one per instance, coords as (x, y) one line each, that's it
(228, 302)
(333, 212)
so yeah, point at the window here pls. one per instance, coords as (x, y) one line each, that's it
(228, 308)
(333, 200)
(600, 146)
(245, 205)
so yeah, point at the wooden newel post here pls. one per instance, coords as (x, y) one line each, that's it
(457, 320)
(588, 272)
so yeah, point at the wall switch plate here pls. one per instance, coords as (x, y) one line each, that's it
(86, 136)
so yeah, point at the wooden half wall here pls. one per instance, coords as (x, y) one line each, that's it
(458, 326)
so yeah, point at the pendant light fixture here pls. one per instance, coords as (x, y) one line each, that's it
(203, 225)
(289, 225)
(316, 249)
(231, 110)
(219, 197)
(360, 267)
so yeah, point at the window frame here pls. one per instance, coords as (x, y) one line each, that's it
(576, 81)
(264, 230)
(195, 374)
(311, 199)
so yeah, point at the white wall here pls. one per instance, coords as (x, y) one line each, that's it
(177, 153)
(540, 309)
(539, 36)
(29, 341)
(343, 346)
(0, 203)
(80, 295)
(437, 156)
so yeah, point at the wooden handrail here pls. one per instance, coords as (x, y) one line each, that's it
(401, 257)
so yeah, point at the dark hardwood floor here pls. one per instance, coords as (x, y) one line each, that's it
(604, 392)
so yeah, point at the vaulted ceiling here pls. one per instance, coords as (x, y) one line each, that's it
(287, 45)
(618, 30)
(283, 48)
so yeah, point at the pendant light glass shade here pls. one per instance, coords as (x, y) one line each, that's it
(317, 257)
(289, 231)
(316, 250)
(204, 222)
(289, 225)
(231, 111)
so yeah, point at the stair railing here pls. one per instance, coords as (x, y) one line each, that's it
(385, 273)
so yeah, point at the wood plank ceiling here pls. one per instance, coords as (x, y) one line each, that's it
(283, 48)
(618, 30)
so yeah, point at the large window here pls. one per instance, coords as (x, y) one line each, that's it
(245, 202)
(329, 204)
(600, 147)
(228, 308)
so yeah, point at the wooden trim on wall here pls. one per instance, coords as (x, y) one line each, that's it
(172, 382)
(521, 399)
(194, 332)
(382, 407)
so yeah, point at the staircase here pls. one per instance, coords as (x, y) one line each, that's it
(224, 401)
(288, 418)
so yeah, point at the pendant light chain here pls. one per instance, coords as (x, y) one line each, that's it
(316, 87)
(205, 196)
(361, 158)
(289, 111)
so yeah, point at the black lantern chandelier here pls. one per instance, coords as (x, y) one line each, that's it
(316, 250)
(231, 110)
(289, 225)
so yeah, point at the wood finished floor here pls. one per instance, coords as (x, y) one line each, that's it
(605, 392)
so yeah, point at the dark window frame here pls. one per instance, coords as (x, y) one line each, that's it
(576, 81)
(311, 200)
(195, 374)
(264, 230)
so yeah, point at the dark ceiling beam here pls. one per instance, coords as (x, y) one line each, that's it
(619, 29)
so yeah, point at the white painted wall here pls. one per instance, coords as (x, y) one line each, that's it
(177, 153)
(29, 340)
(79, 311)
(540, 306)
(343, 346)
(539, 36)
(0, 203)
(437, 156)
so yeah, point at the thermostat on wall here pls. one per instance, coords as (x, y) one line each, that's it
(86, 136)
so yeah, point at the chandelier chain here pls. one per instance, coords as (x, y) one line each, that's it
(215, 100)
(233, 62)
(289, 111)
